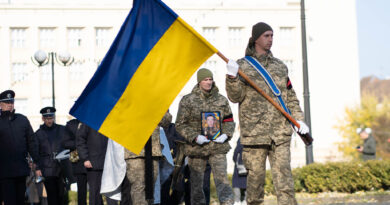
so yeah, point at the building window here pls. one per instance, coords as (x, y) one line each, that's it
(18, 37)
(19, 72)
(290, 65)
(235, 36)
(76, 71)
(103, 37)
(75, 37)
(45, 72)
(47, 37)
(47, 101)
(21, 105)
(210, 33)
(211, 65)
(286, 33)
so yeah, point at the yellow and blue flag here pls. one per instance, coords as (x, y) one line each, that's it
(153, 56)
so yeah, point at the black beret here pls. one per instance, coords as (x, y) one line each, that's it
(259, 29)
(7, 96)
(48, 111)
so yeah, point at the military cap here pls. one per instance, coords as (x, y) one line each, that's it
(7, 96)
(204, 73)
(48, 111)
(210, 115)
(257, 30)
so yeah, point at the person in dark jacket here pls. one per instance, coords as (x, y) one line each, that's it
(79, 171)
(91, 147)
(16, 141)
(239, 175)
(48, 144)
(368, 149)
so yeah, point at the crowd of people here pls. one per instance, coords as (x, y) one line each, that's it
(198, 140)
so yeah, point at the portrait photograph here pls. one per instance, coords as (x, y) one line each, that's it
(211, 124)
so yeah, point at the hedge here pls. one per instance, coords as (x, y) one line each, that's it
(339, 177)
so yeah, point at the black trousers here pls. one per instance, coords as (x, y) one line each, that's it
(55, 190)
(13, 190)
(94, 178)
(125, 196)
(81, 189)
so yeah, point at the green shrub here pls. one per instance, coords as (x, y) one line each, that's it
(339, 177)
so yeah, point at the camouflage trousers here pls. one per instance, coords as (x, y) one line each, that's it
(218, 165)
(135, 171)
(255, 161)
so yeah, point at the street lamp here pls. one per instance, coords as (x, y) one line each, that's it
(41, 59)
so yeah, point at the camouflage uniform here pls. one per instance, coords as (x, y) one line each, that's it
(188, 124)
(135, 164)
(264, 130)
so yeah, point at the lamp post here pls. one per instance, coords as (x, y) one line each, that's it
(41, 59)
(306, 93)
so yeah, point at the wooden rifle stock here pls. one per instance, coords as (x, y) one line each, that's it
(306, 138)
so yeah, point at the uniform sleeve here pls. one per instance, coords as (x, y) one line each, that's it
(183, 126)
(31, 142)
(228, 124)
(235, 88)
(35, 155)
(81, 142)
(68, 142)
(293, 102)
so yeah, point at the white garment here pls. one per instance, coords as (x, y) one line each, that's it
(114, 170)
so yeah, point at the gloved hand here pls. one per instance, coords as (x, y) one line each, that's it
(303, 129)
(221, 139)
(63, 155)
(200, 139)
(232, 68)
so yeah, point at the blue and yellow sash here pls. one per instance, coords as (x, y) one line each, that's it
(268, 79)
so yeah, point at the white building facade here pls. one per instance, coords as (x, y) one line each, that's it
(86, 29)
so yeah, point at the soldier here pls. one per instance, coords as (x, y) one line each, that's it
(79, 171)
(48, 144)
(205, 98)
(16, 141)
(135, 164)
(91, 147)
(264, 130)
(368, 149)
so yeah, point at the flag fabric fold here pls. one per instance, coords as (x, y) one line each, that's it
(153, 56)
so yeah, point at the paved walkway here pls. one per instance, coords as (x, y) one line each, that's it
(352, 199)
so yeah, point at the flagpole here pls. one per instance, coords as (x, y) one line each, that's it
(307, 141)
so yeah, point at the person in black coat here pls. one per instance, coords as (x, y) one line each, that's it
(16, 141)
(79, 171)
(49, 137)
(91, 147)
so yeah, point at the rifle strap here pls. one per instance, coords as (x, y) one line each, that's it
(268, 79)
(149, 187)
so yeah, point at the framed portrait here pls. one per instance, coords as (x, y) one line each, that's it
(211, 124)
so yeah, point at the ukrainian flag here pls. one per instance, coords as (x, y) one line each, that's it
(153, 56)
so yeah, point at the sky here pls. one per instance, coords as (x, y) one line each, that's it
(373, 18)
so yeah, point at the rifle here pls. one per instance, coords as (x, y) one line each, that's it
(306, 138)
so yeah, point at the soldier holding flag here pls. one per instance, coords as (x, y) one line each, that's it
(264, 130)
